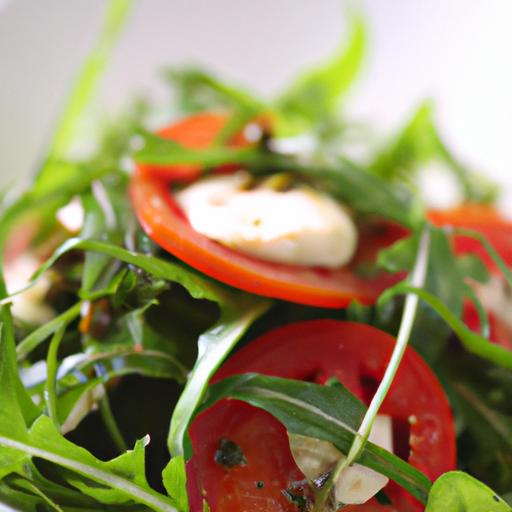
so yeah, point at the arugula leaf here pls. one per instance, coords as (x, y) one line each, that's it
(324, 412)
(213, 347)
(17, 410)
(13, 498)
(473, 342)
(44, 442)
(445, 280)
(21, 437)
(86, 84)
(344, 180)
(63, 495)
(459, 492)
(174, 478)
(419, 143)
(199, 91)
(58, 180)
(198, 286)
(31, 498)
(95, 226)
(482, 398)
(313, 97)
(78, 391)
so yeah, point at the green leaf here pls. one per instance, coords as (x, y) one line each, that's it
(60, 493)
(414, 146)
(459, 492)
(35, 338)
(482, 398)
(419, 143)
(198, 286)
(76, 399)
(174, 477)
(124, 476)
(131, 464)
(314, 96)
(199, 91)
(157, 150)
(329, 413)
(213, 347)
(88, 79)
(491, 251)
(21, 437)
(343, 180)
(29, 486)
(95, 226)
(17, 410)
(473, 342)
(57, 180)
(13, 500)
(445, 280)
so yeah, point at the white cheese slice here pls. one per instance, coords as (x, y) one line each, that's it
(71, 216)
(29, 305)
(357, 483)
(298, 226)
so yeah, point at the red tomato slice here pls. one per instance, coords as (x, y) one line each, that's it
(165, 223)
(356, 354)
(500, 332)
(485, 220)
(489, 222)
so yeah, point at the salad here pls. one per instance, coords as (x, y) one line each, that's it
(252, 308)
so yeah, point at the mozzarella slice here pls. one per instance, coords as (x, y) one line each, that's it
(299, 226)
(71, 216)
(29, 305)
(357, 483)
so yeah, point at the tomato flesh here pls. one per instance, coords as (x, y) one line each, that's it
(357, 355)
(487, 221)
(164, 222)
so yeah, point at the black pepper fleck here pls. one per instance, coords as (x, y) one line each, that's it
(229, 454)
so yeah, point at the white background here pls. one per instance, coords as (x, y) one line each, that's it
(456, 51)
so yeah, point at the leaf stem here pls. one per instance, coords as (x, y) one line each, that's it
(50, 392)
(111, 424)
(213, 347)
(483, 317)
(39, 335)
(88, 79)
(417, 279)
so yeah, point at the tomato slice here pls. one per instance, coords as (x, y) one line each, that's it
(165, 223)
(488, 221)
(356, 354)
(484, 219)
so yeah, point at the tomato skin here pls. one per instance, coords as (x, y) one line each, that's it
(487, 221)
(165, 223)
(317, 350)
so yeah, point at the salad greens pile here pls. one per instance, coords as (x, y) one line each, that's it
(77, 430)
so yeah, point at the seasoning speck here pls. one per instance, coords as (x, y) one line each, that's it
(229, 454)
